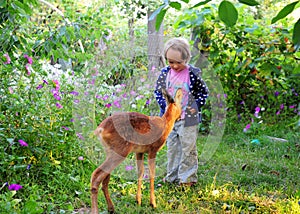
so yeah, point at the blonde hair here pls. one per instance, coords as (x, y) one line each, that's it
(181, 45)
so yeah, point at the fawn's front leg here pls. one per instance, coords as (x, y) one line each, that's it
(151, 162)
(140, 167)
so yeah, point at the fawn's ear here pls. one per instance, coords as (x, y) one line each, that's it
(178, 96)
(167, 96)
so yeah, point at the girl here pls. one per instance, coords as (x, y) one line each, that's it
(182, 154)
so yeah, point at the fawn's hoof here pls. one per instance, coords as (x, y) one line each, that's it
(153, 205)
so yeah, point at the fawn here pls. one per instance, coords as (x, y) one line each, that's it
(123, 133)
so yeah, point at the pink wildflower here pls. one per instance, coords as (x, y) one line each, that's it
(129, 168)
(117, 103)
(15, 187)
(58, 105)
(247, 127)
(22, 143)
(108, 105)
(27, 67)
(8, 60)
(29, 59)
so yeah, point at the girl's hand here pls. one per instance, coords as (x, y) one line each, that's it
(192, 110)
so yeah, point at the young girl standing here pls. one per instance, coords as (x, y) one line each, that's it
(181, 144)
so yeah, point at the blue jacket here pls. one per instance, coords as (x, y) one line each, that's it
(197, 95)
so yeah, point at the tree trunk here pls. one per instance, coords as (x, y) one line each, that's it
(131, 37)
(155, 45)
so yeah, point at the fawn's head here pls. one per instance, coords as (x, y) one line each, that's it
(173, 104)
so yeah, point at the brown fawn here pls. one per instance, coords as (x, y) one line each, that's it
(124, 133)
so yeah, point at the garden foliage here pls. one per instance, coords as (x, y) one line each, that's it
(63, 68)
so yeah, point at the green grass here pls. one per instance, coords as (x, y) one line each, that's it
(240, 177)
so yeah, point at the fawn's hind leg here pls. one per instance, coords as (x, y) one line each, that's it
(101, 176)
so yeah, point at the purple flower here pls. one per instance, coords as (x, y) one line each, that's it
(257, 109)
(11, 90)
(276, 93)
(225, 96)
(281, 106)
(140, 96)
(75, 93)
(148, 102)
(243, 102)
(44, 81)
(15, 187)
(105, 97)
(292, 106)
(278, 112)
(56, 84)
(117, 104)
(29, 59)
(76, 101)
(92, 82)
(153, 68)
(65, 128)
(22, 143)
(108, 105)
(40, 86)
(56, 96)
(58, 105)
(8, 60)
(28, 166)
(247, 127)
(80, 136)
(80, 158)
(129, 168)
(27, 67)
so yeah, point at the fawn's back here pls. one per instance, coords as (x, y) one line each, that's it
(139, 132)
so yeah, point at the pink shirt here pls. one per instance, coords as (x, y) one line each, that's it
(176, 80)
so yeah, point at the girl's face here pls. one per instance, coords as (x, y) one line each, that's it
(175, 60)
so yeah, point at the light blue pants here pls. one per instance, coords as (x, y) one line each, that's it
(182, 154)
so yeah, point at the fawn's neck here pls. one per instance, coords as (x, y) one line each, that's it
(169, 122)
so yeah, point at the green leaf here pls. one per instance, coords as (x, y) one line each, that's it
(284, 12)
(249, 2)
(2, 3)
(186, 1)
(201, 3)
(175, 5)
(228, 13)
(157, 11)
(159, 19)
(296, 35)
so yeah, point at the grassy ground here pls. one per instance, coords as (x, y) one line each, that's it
(241, 177)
